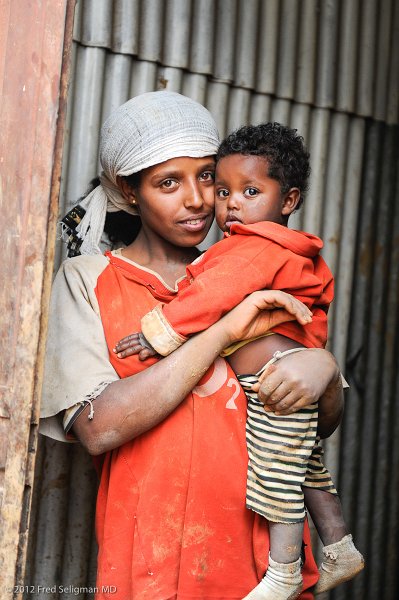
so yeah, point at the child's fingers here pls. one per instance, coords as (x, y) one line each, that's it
(146, 353)
(127, 342)
(129, 351)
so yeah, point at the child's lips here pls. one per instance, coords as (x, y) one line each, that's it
(230, 221)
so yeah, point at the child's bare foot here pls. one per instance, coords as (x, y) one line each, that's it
(342, 561)
(281, 582)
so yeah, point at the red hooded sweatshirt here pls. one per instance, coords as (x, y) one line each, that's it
(259, 256)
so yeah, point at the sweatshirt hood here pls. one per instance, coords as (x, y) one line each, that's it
(300, 242)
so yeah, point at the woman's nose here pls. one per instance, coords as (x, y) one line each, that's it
(194, 196)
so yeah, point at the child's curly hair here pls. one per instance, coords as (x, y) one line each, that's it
(284, 149)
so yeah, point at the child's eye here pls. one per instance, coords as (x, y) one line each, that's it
(222, 193)
(207, 176)
(251, 191)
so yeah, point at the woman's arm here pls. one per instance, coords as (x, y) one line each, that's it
(300, 379)
(131, 406)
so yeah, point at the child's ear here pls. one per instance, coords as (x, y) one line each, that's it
(290, 202)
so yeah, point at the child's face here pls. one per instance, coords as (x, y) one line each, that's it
(246, 194)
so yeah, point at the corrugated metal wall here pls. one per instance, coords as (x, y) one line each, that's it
(331, 69)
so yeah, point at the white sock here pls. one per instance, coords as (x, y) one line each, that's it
(342, 561)
(281, 582)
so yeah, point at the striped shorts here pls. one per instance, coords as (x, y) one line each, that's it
(284, 454)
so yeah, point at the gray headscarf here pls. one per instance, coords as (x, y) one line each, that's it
(145, 131)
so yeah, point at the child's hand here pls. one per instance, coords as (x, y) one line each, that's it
(134, 344)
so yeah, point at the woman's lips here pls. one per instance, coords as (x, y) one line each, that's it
(195, 223)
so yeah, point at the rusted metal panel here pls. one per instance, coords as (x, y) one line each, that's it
(31, 91)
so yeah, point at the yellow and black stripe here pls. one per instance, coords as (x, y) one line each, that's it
(284, 455)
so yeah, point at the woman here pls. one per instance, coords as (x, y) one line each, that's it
(171, 519)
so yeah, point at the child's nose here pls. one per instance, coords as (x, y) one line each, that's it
(233, 200)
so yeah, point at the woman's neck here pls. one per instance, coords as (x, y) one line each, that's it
(160, 256)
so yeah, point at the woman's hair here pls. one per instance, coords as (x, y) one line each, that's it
(282, 147)
(121, 226)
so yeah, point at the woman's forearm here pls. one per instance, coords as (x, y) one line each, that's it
(331, 407)
(133, 405)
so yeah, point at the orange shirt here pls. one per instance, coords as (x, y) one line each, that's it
(259, 256)
(171, 518)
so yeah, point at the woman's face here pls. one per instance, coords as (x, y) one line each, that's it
(175, 200)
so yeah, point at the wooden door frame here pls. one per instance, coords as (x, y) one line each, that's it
(35, 51)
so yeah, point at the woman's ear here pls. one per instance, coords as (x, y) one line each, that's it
(290, 202)
(126, 190)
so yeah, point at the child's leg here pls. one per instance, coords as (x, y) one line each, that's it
(285, 541)
(342, 561)
(326, 512)
(278, 448)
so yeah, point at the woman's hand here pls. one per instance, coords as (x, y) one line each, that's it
(300, 379)
(296, 380)
(260, 312)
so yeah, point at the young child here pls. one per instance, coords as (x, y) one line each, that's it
(261, 177)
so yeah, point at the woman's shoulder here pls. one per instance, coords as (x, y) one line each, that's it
(83, 267)
(85, 262)
(78, 276)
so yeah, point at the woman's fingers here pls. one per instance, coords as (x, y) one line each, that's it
(257, 314)
(276, 393)
(282, 400)
(275, 299)
(278, 316)
(292, 382)
(289, 403)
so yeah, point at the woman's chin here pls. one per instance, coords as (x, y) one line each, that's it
(193, 241)
(194, 238)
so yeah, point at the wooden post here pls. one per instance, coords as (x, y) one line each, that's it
(35, 44)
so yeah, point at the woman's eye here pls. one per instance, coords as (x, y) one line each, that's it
(251, 191)
(169, 184)
(207, 176)
(222, 193)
